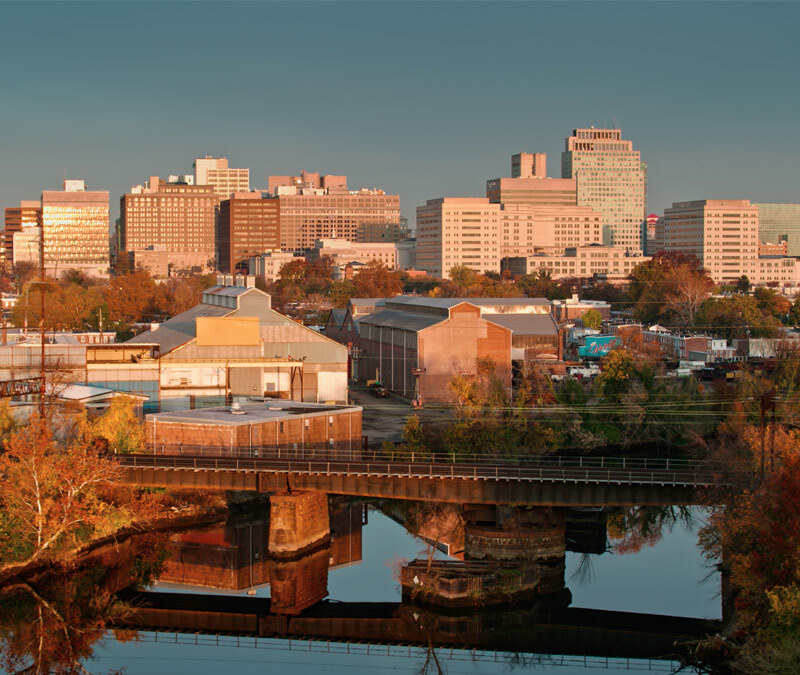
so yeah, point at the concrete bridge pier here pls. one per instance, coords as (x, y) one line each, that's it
(298, 523)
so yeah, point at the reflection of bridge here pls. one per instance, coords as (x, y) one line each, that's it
(584, 482)
(547, 628)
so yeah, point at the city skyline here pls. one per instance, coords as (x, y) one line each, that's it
(412, 117)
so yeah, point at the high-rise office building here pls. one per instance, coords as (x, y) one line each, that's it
(75, 227)
(724, 236)
(478, 233)
(178, 216)
(214, 171)
(780, 222)
(249, 225)
(314, 206)
(27, 217)
(611, 178)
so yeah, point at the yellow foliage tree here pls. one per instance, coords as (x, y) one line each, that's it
(121, 426)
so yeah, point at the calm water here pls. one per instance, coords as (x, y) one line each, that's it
(667, 578)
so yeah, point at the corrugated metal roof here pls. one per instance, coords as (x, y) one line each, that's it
(337, 316)
(179, 329)
(391, 318)
(446, 303)
(365, 302)
(525, 324)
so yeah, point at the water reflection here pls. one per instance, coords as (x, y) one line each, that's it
(487, 578)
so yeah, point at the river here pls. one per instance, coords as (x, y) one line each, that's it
(210, 611)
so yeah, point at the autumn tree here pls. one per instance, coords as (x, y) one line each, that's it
(49, 493)
(375, 280)
(129, 296)
(121, 426)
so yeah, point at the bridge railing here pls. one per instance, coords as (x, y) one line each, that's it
(377, 455)
(403, 469)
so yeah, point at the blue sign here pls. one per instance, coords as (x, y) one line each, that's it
(597, 346)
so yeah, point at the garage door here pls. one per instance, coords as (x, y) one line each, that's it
(331, 387)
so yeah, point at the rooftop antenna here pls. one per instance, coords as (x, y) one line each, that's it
(614, 118)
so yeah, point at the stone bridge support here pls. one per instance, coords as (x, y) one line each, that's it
(298, 523)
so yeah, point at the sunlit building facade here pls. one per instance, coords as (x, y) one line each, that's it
(178, 216)
(75, 226)
(249, 225)
(612, 179)
(214, 171)
(27, 217)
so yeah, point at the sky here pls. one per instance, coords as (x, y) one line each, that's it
(421, 99)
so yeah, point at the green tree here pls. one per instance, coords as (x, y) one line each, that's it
(738, 316)
(592, 319)
(742, 284)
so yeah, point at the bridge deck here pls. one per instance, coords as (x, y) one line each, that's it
(453, 482)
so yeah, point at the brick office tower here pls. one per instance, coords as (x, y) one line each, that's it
(249, 225)
(177, 216)
(315, 206)
(611, 178)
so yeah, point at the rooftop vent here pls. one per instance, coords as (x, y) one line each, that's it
(236, 409)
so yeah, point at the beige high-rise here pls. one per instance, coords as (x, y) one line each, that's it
(611, 178)
(477, 233)
(315, 206)
(724, 236)
(214, 171)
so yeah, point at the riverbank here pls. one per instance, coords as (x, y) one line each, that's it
(189, 517)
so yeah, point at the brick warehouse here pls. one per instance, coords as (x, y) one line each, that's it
(275, 424)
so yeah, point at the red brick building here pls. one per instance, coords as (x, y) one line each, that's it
(248, 226)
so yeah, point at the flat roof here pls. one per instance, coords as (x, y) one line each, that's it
(272, 409)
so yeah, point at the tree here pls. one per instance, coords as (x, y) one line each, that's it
(772, 303)
(130, 296)
(738, 316)
(121, 426)
(375, 280)
(49, 492)
(742, 284)
(592, 319)
(616, 370)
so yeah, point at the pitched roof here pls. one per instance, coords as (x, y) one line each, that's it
(392, 318)
(337, 316)
(525, 324)
(179, 329)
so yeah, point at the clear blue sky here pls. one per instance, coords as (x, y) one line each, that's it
(422, 99)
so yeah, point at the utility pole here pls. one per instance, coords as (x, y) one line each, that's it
(41, 316)
(767, 405)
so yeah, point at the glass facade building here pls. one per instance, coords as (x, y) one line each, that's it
(780, 222)
(611, 178)
(75, 227)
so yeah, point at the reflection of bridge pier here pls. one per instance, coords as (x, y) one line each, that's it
(241, 556)
(510, 554)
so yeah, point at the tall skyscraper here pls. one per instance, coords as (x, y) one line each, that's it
(249, 225)
(177, 216)
(611, 178)
(75, 226)
(214, 171)
(780, 222)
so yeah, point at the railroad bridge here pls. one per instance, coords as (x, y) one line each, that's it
(554, 481)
